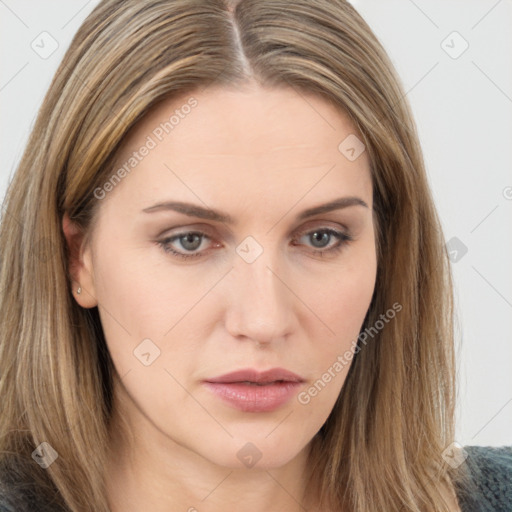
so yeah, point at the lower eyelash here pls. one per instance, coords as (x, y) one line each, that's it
(343, 240)
(164, 244)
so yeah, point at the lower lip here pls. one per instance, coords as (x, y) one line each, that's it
(253, 398)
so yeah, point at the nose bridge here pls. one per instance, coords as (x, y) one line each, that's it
(261, 304)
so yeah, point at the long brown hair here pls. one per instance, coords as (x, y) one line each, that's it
(381, 447)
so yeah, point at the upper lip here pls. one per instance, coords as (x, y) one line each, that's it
(252, 375)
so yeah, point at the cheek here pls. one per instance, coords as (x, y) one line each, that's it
(343, 301)
(351, 298)
(141, 294)
(342, 306)
(143, 298)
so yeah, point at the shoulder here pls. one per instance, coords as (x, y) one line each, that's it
(490, 471)
(21, 492)
(25, 499)
(12, 498)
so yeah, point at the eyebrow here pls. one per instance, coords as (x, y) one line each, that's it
(194, 210)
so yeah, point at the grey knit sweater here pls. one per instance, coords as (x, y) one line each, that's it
(490, 469)
(491, 472)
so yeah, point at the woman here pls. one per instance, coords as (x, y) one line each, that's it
(225, 282)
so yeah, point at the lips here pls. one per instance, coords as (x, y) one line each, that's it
(253, 376)
(252, 391)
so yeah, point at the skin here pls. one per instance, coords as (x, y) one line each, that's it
(262, 156)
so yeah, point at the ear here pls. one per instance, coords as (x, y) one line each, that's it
(80, 264)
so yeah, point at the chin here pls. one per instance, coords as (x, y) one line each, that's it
(255, 453)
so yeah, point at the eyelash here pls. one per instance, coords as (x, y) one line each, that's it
(343, 239)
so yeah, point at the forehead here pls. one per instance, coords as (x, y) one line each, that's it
(241, 148)
(249, 122)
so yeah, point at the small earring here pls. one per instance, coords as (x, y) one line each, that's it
(79, 291)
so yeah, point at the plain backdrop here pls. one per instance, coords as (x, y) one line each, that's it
(455, 63)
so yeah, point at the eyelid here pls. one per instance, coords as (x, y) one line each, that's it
(342, 235)
(321, 224)
(212, 232)
(205, 229)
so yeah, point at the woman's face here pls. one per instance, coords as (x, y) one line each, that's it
(259, 283)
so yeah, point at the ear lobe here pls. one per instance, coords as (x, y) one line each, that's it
(80, 267)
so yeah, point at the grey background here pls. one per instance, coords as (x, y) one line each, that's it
(462, 106)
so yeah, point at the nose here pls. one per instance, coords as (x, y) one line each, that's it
(261, 305)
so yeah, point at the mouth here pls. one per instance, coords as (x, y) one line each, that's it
(258, 383)
(252, 376)
(253, 391)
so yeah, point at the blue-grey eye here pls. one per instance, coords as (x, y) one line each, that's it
(191, 241)
(322, 237)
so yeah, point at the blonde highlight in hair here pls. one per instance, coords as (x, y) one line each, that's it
(380, 449)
